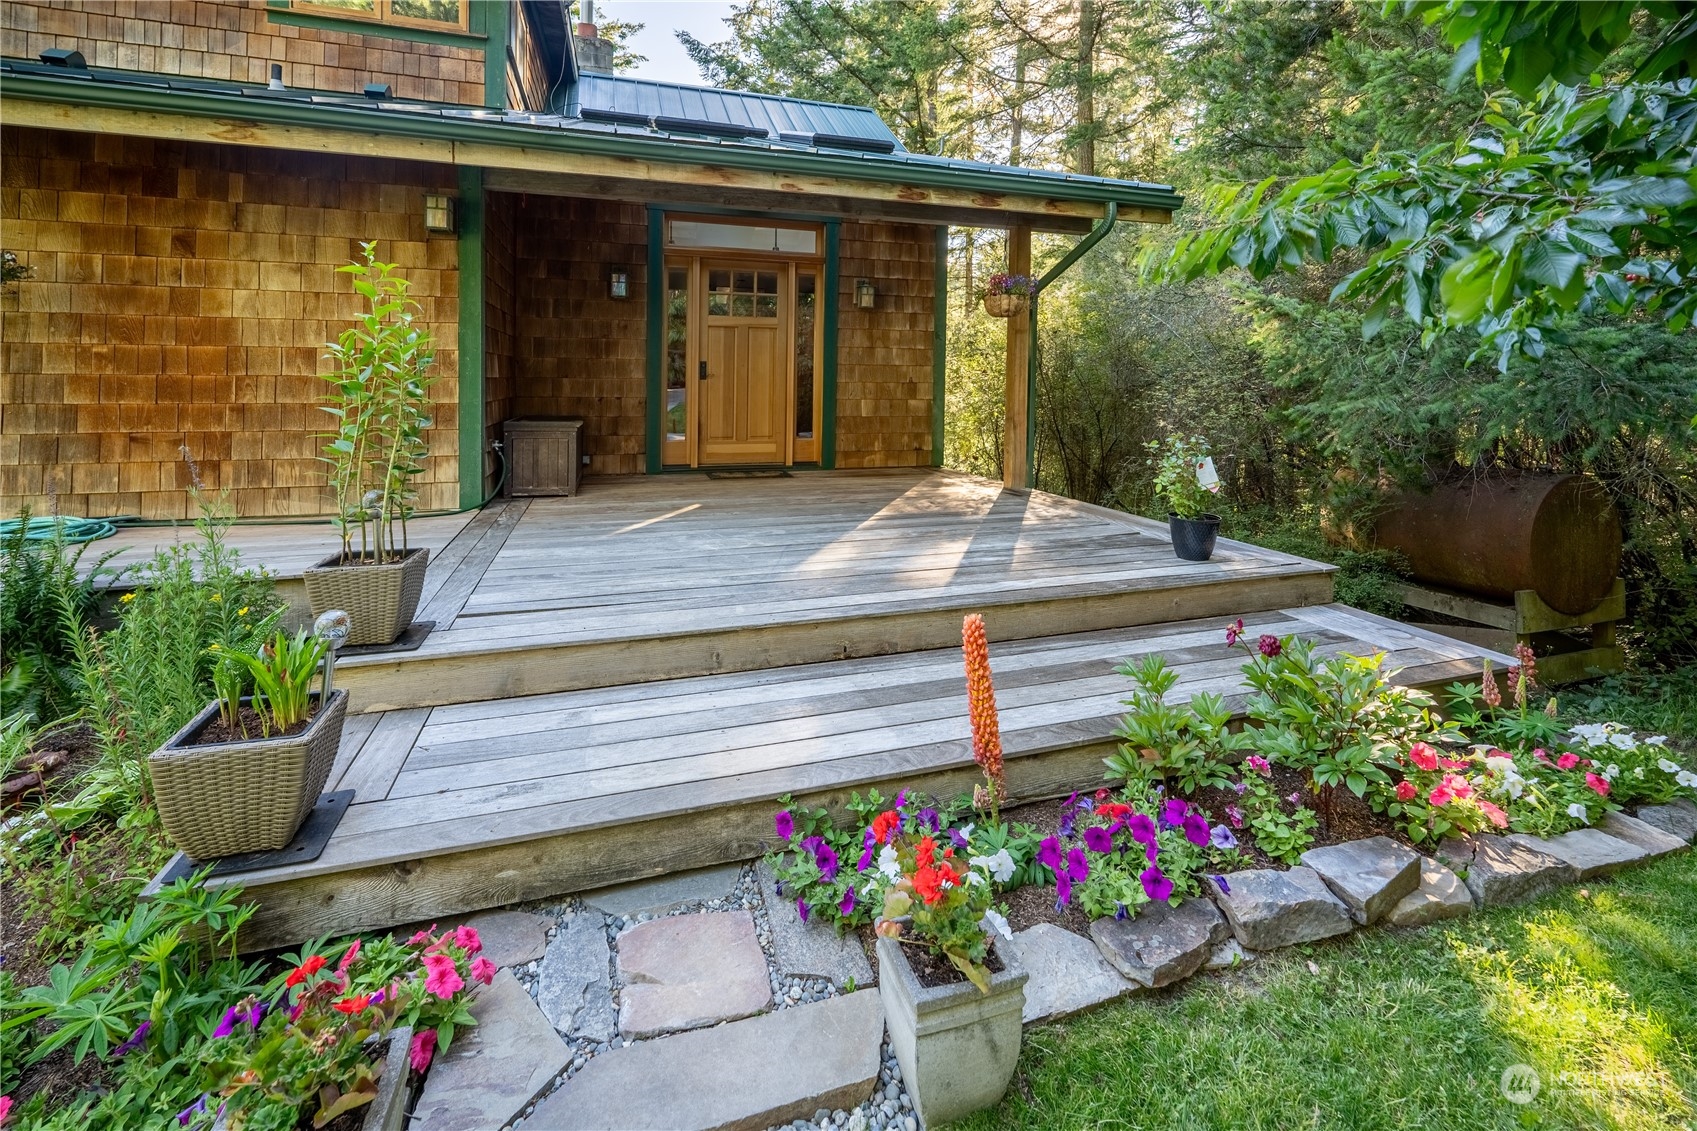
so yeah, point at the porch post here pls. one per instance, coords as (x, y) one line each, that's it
(1016, 453)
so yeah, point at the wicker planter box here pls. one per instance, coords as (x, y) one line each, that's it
(1006, 306)
(380, 600)
(957, 1045)
(249, 796)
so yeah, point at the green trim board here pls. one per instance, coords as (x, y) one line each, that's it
(283, 12)
(495, 16)
(828, 380)
(655, 326)
(355, 116)
(470, 223)
(939, 346)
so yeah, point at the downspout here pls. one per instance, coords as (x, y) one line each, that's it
(1090, 240)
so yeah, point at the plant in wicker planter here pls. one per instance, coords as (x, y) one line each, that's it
(243, 774)
(1184, 473)
(380, 396)
(952, 1004)
(1008, 296)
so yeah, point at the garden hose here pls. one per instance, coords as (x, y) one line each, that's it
(92, 529)
(42, 529)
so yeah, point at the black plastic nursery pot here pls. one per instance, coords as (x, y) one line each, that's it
(1194, 538)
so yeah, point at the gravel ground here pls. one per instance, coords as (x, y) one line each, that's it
(889, 1109)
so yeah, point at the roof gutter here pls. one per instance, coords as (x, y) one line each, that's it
(1090, 240)
(370, 120)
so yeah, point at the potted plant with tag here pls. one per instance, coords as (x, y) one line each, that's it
(1185, 476)
(1008, 296)
(952, 1000)
(379, 393)
(243, 774)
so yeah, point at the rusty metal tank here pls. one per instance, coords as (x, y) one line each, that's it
(1558, 535)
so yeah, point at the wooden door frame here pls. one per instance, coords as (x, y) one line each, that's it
(825, 333)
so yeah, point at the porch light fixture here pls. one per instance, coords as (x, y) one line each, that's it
(618, 284)
(864, 294)
(438, 213)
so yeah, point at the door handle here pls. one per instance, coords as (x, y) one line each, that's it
(704, 371)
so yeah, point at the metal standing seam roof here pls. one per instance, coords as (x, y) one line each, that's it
(203, 97)
(773, 113)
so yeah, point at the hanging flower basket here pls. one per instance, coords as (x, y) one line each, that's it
(1006, 305)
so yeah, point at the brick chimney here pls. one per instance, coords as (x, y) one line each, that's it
(594, 54)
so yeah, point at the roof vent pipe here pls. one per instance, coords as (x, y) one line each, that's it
(276, 82)
(594, 54)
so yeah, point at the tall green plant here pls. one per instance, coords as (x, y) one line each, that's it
(379, 394)
(36, 577)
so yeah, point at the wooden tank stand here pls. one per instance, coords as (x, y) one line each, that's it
(1533, 622)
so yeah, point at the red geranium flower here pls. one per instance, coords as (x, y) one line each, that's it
(304, 971)
(883, 824)
(351, 1005)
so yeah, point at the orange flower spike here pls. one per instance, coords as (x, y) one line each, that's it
(981, 702)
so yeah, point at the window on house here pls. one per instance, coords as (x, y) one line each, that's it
(421, 13)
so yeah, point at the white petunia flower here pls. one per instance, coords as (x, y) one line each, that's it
(995, 921)
(1656, 740)
(1612, 772)
(888, 864)
(1638, 772)
(1589, 731)
(1666, 766)
(1000, 866)
(1686, 778)
(1623, 741)
(976, 878)
(1577, 812)
(1500, 764)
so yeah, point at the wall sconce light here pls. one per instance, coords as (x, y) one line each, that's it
(618, 284)
(864, 294)
(438, 213)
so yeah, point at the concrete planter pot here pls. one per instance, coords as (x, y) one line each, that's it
(957, 1046)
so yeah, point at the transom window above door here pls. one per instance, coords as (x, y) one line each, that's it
(742, 294)
(775, 238)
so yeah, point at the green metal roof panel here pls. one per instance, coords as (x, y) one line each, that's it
(29, 80)
(649, 99)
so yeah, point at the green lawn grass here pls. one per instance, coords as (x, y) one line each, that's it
(1594, 987)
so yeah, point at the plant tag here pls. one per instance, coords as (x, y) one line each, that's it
(1206, 477)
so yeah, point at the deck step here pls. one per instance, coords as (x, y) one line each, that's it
(476, 805)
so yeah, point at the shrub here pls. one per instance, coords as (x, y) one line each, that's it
(1189, 746)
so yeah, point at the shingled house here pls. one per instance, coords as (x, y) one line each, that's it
(706, 277)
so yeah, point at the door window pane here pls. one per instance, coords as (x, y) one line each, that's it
(806, 307)
(677, 353)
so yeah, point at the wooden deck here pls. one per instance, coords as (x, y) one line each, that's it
(677, 576)
(674, 627)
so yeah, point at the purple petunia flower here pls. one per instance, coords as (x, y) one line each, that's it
(1063, 890)
(136, 1040)
(1067, 822)
(801, 909)
(1295, 798)
(1120, 911)
(928, 819)
(785, 824)
(1196, 829)
(867, 843)
(1078, 867)
(901, 799)
(1150, 851)
(1173, 812)
(1225, 888)
(187, 1115)
(227, 1024)
(1098, 839)
(1240, 787)
(960, 840)
(826, 857)
(1142, 828)
(846, 906)
(1222, 838)
(1235, 816)
(1155, 884)
(1049, 853)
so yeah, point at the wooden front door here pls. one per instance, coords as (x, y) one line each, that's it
(743, 383)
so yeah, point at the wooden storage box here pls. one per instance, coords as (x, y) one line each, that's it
(543, 455)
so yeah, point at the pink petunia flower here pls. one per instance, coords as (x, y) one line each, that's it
(348, 958)
(424, 936)
(1567, 761)
(466, 939)
(483, 971)
(423, 1048)
(443, 979)
(1423, 756)
(1496, 815)
(1598, 784)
